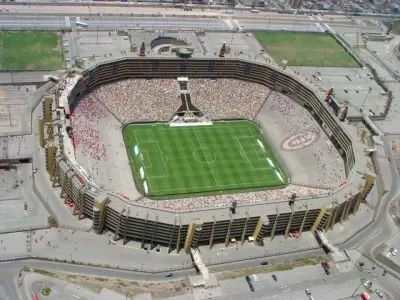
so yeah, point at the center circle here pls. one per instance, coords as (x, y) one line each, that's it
(204, 155)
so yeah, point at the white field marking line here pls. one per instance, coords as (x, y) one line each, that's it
(244, 152)
(257, 149)
(197, 127)
(193, 152)
(251, 164)
(137, 142)
(265, 182)
(266, 148)
(159, 149)
(205, 156)
(148, 157)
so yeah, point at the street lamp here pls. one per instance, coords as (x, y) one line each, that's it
(357, 288)
(295, 57)
(369, 92)
(294, 25)
(322, 61)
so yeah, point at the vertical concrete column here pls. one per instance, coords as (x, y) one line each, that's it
(289, 222)
(178, 241)
(145, 229)
(369, 182)
(189, 236)
(47, 108)
(258, 228)
(41, 131)
(50, 160)
(154, 232)
(171, 237)
(99, 206)
(349, 203)
(117, 229)
(328, 221)
(335, 213)
(303, 221)
(228, 233)
(319, 218)
(56, 177)
(345, 208)
(78, 208)
(243, 238)
(127, 213)
(212, 232)
(275, 223)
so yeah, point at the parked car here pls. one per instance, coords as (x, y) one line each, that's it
(274, 277)
(169, 275)
(255, 278)
(264, 263)
(379, 293)
(251, 287)
(308, 292)
(384, 273)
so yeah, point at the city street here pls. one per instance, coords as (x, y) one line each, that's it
(85, 246)
(161, 21)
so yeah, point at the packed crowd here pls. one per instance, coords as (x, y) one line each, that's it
(323, 156)
(85, 123)
(157, 99)
(245, 198)
(297, 118)
(227, 98)
(140, 99)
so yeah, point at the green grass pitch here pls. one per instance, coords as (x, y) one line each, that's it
(305, 49)
(30, 50)
(201, 160)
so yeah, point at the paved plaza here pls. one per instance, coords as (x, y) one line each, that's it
(14, 109)
(71, 245)
(15, 193)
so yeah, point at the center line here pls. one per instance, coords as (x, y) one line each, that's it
(205, 156)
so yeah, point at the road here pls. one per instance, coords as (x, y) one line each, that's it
(373, 235)
(171, 23)
(383, 221)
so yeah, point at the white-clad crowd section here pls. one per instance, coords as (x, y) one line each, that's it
(227, 98)
(140, 99)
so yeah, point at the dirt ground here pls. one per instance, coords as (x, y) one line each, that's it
(124, 287)
(284, 266)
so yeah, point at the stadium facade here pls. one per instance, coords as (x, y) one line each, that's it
(185, 229)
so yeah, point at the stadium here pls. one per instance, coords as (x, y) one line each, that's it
(181, 153)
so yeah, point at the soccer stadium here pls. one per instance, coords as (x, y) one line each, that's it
(181, 153)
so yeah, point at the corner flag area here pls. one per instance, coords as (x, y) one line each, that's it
(201, 160)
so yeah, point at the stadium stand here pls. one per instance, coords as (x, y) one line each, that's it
(258, 214)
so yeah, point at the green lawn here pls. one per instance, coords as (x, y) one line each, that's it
(200, 160)
(30, 50)
(304, 49)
